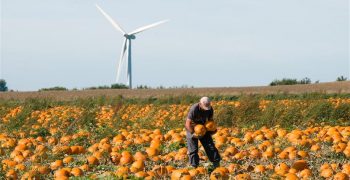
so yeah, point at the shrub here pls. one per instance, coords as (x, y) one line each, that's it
(341, 78)
(288, 81)
(119, 86)
(56, 88)
(3, 86)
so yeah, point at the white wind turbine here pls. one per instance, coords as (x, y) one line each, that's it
(126, 49)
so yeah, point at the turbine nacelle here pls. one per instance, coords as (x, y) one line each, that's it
(127, 36)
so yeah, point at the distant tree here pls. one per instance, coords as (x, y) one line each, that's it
(342, 78)
(3, 86)
(56, 88)
(143, 87)
(119, 86)
(305, 81)
(289, 81)
(284, 81)
(318, 81)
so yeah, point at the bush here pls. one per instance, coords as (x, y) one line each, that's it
(342, 78)
(3, 86)
(288, 81)
(284, 81)
(119, 86)
(56, 88)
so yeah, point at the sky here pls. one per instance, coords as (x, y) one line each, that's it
(227, 43)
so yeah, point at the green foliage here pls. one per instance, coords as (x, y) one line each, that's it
(56, 88)
(306, 80)
(341, 78)
(224, 114)
(119, 86)
(248, 112)
(284, 81)
(342, 112)
(175, 146)
(98, 87)
(289, 81)
(43, 132)
(3, 86)
(320, 111)
(143, 87)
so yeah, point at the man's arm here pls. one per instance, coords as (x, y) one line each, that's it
(211, 115)
(188, 126)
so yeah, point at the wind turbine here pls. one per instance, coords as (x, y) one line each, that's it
(126, 49)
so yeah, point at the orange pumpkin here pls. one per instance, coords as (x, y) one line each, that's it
(300, 165)
(199, 130)
(76, 172)
(210, 126)
(92, 160)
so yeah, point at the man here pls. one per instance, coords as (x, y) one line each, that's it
(199, 114)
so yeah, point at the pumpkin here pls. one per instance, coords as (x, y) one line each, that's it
(137, 166)
(326, 173)
(62, 173)
(259, 169)
(291, 176)
(152, 151)
(56, 165)
(341, 176)
(210, 126)
(76, 172)
(68, 159)
(11, 174)
(199, 130)
(300, 165)
(179, 174)
(219, 173)
(243, 176)
(281, 169)
(92, 160)
(139, 156)
(126, 158)
(306, 173)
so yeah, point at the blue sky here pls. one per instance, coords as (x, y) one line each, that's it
(206, 44)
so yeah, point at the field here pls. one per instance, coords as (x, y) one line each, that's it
(330, 87)
(280, 136)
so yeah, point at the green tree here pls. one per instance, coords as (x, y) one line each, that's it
(342, 78)
(284, 81)
(119, 86)
(305, 81)
(3, 86)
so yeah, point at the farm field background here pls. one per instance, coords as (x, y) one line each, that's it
(278, 136)
(328, 87)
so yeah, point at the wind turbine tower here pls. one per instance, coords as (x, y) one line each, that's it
(126, 49)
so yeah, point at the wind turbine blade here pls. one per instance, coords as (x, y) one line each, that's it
(114, 23)
(138, 30)
(124, 48)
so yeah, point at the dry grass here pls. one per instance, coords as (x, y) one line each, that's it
(332, 87)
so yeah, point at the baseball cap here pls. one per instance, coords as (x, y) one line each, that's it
(205, 102)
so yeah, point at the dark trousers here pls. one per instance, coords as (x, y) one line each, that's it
(209, 147)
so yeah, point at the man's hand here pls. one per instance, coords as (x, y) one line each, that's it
(188, 126)
(212, 132)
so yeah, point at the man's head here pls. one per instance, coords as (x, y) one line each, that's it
(205, 103)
